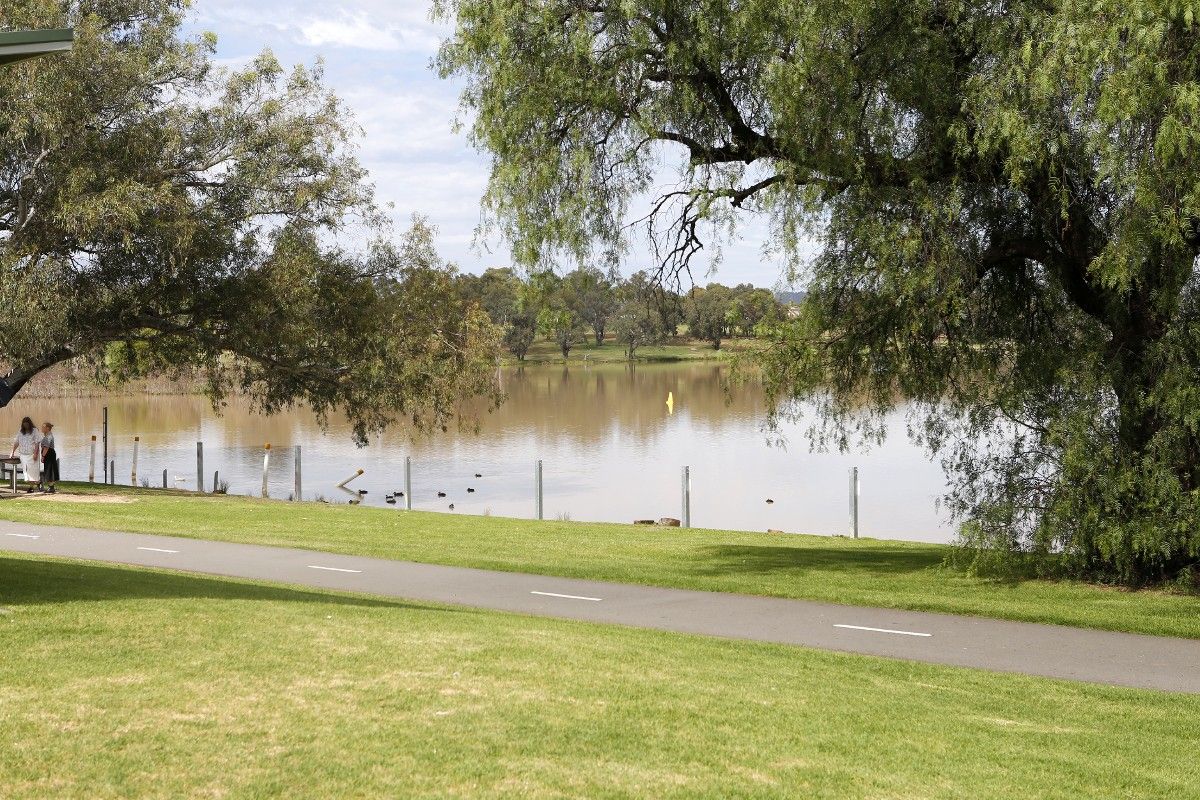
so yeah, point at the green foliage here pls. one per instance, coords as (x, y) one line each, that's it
(707, 313)
(159, 212)
(1006, 199)
(594, 297)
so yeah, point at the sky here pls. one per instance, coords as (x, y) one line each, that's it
(377, 55)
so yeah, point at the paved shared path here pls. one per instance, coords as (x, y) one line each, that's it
(1120, 659)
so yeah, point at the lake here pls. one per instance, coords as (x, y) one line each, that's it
(611, 450)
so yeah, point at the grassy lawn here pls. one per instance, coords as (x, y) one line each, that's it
(863, 572)
(679, 349)
(132, 683)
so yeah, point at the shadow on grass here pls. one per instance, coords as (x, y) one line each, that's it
(882, 561)
(34, 582)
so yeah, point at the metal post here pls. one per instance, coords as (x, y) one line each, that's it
(854, 502)
(408, 483)
(297, 495)
(104, 463)
(199, 466)
(266, 465)
(112, 472)
(537, 480)
(687, 497)
(133, 471)
(164, 479)
(92, 463)
(216, 480)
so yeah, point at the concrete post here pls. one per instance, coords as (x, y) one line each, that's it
(297, 494)
(408, 483)
(537, 481)
(133, 470)
(92, 463)
(686, 518)
(854, 502)
(199, 466)
(266, 466)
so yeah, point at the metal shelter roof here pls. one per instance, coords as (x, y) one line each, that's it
(20, 45)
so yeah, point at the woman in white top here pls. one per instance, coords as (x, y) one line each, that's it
(28, 446)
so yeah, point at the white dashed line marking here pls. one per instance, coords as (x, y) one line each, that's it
(568, 596)
(23, 535)
(333, 569)
(882, 630)
(157, 550)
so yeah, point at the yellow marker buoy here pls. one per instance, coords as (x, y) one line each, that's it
(670, 402)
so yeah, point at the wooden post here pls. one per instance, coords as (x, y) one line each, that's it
(297, 494)
(104, 463)
(199, 466)
(92, 463)
(266, 465)
(133, 471)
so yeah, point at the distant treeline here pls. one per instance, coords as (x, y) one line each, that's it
(637, 311)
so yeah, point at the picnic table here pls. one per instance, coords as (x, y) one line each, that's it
(8, 472)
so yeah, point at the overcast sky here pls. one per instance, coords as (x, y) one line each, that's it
(377, 55)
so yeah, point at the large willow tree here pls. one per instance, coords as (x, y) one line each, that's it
(158, 213)
(1005, 196)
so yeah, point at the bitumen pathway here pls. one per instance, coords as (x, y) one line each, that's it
(1054, 651)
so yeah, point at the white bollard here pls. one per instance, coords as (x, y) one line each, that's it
(266, 465)
(133, 471)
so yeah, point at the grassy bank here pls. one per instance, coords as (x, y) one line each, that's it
(858, 572)
(132, 683)
(681, 349)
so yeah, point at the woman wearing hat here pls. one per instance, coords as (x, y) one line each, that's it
(49, 458)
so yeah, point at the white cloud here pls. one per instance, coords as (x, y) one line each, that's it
(348, 31)
(365, 33)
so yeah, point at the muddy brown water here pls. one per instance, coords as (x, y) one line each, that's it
(611, 450)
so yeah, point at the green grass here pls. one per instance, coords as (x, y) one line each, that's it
(123, 683)
(857, 572)
(679, 349)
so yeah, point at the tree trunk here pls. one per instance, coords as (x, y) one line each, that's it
(15, 380)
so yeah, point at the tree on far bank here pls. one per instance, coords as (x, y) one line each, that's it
(594, 299)
(637, 324)
(156, 204)
(707, 313)
(558, 318)
(1006, 200)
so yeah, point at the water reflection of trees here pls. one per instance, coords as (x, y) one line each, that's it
(553, 405)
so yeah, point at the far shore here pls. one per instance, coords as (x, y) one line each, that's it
(74, 380)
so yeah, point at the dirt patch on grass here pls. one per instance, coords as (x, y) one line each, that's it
(59, 497)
